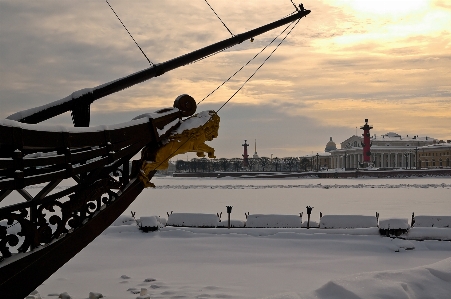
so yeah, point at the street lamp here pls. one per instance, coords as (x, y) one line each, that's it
(317, 162)
(410, 157)
(416, 157)
(229, 210)
(309, 211)
(345, 160)
(405, 155)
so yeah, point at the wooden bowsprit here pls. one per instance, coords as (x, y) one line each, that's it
(42, 233)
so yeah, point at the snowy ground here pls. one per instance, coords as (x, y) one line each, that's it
(273, 263)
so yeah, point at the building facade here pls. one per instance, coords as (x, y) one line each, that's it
(388, 151)
(391, 151)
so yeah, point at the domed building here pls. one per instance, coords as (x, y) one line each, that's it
(330, 146)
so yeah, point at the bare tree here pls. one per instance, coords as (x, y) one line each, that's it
(252, 162)
(290, 162)
(224, 162)
(264, 163)
(194, 164)
(180, 165)
(305, 163)
(236, 163)
(203, 164)
(276, 162)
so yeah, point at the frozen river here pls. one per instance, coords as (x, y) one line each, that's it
(390, 197)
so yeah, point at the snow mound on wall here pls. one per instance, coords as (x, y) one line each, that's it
(152, 221)
(233, 223)
(193, 220)
(394, 223)
(347, 221)
(432, 221)
(428, 233)
(273, 221)
(123, 220)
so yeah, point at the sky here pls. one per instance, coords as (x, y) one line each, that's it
(388, 61)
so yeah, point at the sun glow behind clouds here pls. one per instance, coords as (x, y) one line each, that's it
(387, 25)
(378, 8)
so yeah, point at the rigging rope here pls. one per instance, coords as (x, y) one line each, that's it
(150, 62)
(244, 65)
(219, 18)
(294, 5)
(220, 51)
(216, 112)
(260, 65)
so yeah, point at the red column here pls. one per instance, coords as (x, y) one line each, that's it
(245, 155)
(366, 142)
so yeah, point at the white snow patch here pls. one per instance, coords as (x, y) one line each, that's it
(432, 221)
(157, 114)
(433, 281)
(347, 221)
(194, 121)
(394, 223)
(152, 221)
(167, 127)
(428, 233)
(233, 223)
(123, 220)
(25, 113)
(273, 221)
(398, 245)
(48, 128)
(193, 220)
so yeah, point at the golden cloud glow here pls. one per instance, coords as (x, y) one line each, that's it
(416, 116)
(377, 8)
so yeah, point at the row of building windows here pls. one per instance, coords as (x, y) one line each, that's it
(434, 154)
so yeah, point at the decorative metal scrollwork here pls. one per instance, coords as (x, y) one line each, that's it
(51, 220)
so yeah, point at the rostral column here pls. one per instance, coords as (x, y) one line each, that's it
(366, 144)
(245, 155)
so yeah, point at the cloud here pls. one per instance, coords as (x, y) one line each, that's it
(338, 66)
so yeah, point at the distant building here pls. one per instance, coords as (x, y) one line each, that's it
(316, 162)
(330, 146)
(255, 156)
(390, 150)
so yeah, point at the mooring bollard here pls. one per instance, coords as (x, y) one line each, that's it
(229, 210)
(309, 211)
